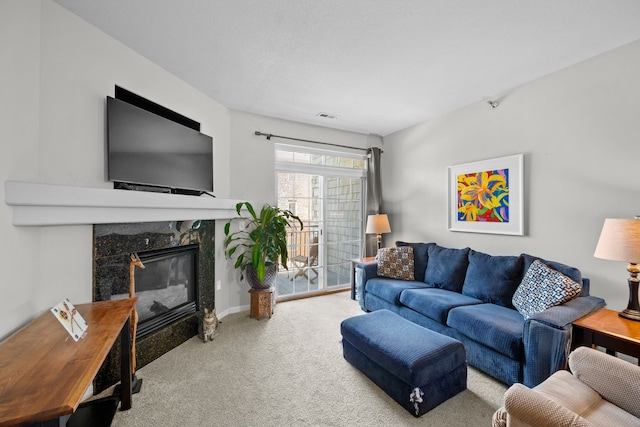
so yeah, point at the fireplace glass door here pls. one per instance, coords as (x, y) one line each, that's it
(166, 287)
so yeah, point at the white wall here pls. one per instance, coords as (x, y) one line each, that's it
(20, 88)
(56, 72)
(580, 134)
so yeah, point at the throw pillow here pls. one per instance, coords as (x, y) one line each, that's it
(571, 272)
(491, 278)
(420, 257)
(396, 263)
(542, 288)
(446, 268)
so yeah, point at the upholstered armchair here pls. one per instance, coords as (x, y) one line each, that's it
(600, 390)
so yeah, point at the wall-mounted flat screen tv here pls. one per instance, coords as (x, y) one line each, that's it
(145, 149)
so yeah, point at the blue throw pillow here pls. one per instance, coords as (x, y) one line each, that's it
(543, 287)
(446, 267)
(420, 257)
(493, 279)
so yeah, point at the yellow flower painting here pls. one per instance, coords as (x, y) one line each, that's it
(483, 196)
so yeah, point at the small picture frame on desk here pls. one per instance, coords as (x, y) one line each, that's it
(69, 317)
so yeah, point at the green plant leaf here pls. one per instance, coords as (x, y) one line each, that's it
(261, 271)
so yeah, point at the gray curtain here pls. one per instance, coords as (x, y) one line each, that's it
(374, 195)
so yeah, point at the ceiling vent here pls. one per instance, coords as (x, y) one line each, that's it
(326, 116)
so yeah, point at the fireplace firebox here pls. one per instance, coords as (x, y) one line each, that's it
(166, 288)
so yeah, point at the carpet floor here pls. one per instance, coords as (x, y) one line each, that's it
(285, 371)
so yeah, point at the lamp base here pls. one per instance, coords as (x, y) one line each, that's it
(632, 311)
(630, 314)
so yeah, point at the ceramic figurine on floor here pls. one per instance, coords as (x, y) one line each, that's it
(209, 325)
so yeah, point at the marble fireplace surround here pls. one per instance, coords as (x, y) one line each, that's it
(113, 244)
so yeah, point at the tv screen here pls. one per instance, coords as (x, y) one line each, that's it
(149, 150)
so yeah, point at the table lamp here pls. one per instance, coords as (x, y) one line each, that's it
(620, 241)
(378, 224)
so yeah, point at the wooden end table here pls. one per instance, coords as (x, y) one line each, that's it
(354, 262)
(261, 303)
(605, 328)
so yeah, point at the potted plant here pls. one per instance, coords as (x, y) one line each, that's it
(261, 244)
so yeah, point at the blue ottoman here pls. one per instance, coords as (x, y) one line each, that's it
(417, 367)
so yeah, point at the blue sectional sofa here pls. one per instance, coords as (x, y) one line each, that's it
(468, 295)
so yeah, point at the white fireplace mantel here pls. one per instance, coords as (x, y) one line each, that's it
(46, 204)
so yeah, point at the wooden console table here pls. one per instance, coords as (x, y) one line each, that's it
(44, 373)
(605, 328)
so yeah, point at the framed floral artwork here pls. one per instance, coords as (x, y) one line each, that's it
(487, 196)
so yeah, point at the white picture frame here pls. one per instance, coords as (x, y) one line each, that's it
(487, 196)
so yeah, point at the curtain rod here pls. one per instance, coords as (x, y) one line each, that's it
(270, 135)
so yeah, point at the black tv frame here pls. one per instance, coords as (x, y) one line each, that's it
(134, 99)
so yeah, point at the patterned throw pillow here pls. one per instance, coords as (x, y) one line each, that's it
(396, 262)
(542, 288)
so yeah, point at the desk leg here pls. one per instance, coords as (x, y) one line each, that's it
(125, 366)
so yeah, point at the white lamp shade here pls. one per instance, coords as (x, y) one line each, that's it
(378, 224)
(619, 240)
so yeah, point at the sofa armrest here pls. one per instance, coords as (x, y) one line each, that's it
(547, 337)
(614, 379)
(563, 315)
(364, 271)
(370, 270)
(532, 408)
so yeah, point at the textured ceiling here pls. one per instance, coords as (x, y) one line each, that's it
(380, 66)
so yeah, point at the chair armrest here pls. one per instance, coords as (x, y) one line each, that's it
(535, 409)
(499, 418)
(616, 380)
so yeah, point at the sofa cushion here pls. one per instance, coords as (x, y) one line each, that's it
(543, 287)
(492, 279)
(390, 289)
(396, 262)
(495, 326)
(420, 257)
(434, 303)
(447, 267)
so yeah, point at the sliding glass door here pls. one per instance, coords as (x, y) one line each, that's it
(329, 201)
